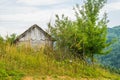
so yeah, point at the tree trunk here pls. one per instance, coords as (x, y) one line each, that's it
(92, 59)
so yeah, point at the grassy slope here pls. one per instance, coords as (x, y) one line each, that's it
(17, 63)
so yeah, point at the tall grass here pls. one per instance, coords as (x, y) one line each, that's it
(16, 62)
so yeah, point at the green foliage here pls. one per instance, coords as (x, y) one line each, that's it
(87, 35)
(45, 62)
(63, 31)
(93, 28)
(16, 62)
(84, 37)
(1, 39)
(10, 39)
(9, 74)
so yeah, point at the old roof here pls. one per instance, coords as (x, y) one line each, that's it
(33, 26)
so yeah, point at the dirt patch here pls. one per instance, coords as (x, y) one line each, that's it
(27, 78)
(59, 78)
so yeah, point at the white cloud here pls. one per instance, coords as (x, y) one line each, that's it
(16, 10)
(18, 19)
(38, 15)
(112, 7)
(40, 2)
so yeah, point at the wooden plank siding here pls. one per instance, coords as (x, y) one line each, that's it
(35, 36)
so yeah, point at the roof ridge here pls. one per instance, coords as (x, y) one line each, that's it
(35, 25)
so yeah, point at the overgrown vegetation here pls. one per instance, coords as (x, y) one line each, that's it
(18, 62)
(76, 42)
(87, 35)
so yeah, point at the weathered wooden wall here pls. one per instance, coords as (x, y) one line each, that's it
(35, 37)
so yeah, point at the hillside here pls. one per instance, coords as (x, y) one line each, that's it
(113, 59)
(27, 64)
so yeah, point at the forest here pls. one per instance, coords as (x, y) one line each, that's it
(112, 59)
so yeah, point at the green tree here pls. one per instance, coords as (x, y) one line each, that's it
(93, 29)
(68, 37)
(10, 39)
(2, 41)
(64, 32)
(87, 35)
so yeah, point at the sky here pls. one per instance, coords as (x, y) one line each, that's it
(18, 15)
